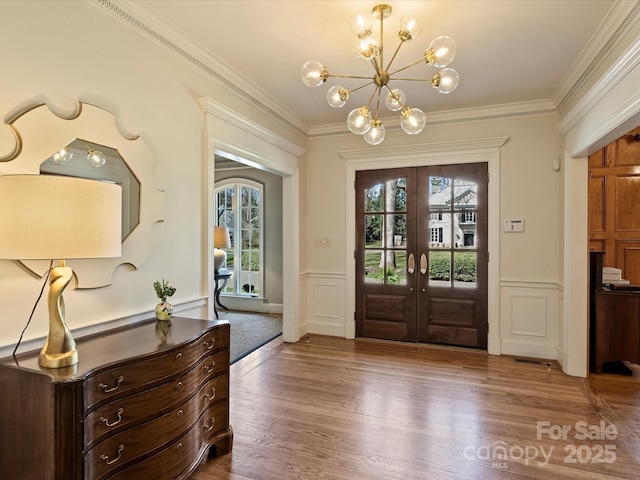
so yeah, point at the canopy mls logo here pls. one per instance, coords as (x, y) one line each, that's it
(597, 446)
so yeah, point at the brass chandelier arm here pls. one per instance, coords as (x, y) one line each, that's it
(414, 79)
(360, 87)
(408, 66)
(394, 57)
(379, 91)
(371, 98)
(331, 75)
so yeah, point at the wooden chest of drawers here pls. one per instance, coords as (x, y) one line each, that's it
(140, 404)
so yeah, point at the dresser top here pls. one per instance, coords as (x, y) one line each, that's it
(143, 338)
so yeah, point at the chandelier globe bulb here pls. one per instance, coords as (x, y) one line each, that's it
(395, 100)
(410, 28)
(359, 120)
(361, 24)
(412, 120)
(376, 133)
(366, 48)
(443, 49)
(446, 80)
(313, 73)
(337, 96)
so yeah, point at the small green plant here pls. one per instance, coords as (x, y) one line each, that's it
(163, 290)
(393, 278)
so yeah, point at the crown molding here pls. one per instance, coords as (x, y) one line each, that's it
(629, 62)
(217, 109)
(617, 22)
(132, 15)
(492, 113)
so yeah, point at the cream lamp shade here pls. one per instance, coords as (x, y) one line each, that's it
(57, 218)
(221, 240)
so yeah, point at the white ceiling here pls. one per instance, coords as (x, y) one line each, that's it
(508, 50)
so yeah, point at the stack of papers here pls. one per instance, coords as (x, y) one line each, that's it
(613, 276)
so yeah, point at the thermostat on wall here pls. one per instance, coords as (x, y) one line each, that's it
(514, 225)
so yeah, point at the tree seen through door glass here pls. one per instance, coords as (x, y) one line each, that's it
(385, 226)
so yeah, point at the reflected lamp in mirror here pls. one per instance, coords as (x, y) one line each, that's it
(58, 218)
(221, 240)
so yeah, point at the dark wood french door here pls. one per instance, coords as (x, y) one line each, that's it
(421, 255)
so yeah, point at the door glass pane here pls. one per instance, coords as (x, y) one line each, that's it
(401, 268)
(373, 225)
(439, 269)
(397, 195)
(466, 230)
(397, 230)
(466, 207)
(373, 273)
(439, 193)
(464, 268)
(465, 193)
(374, 198)
(439, 230)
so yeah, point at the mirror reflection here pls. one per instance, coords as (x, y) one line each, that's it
(85, 159)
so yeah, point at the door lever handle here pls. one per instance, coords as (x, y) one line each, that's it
(424, 264)
(411, 263)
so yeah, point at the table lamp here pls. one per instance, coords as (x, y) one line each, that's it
(220, 240)
(57, 218)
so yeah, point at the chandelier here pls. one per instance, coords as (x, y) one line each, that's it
(367, 46)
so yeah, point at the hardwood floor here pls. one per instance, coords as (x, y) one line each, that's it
(365, 409)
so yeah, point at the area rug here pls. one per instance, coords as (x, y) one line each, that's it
(250, 331)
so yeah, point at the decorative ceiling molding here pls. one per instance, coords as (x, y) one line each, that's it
(210, 66)
(622, 16)
(455, 117)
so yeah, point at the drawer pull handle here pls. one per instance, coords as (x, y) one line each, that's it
(180, 413)
(209, 345)
(178, 385)
(209, 426)
(211, 396)
(106, 420)
(179, 446)
(179, 356)
(209, 368)
(106, 460)
(105, 388)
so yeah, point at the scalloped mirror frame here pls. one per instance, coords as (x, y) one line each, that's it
(39, 130)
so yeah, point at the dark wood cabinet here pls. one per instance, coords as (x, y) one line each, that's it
(149, 398)
(614, 332)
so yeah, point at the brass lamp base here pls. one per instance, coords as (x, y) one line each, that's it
(60, 348)
(58, 360)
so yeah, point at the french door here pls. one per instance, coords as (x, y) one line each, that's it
(421, 254)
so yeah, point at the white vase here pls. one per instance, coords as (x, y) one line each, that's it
(164, 310)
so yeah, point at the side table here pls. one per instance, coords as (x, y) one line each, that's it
(221, 276)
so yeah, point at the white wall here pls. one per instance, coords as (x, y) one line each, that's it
(527, 314)
(65, 52)
(155, 92)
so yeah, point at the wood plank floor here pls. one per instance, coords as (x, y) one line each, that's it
(364, 409)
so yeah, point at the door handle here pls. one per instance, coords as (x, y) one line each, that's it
(411, 263)
(424, 264)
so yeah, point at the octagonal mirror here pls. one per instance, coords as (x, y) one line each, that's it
(85, 159)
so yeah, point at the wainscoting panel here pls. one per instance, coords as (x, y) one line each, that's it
(325, 300)
(530, 319)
